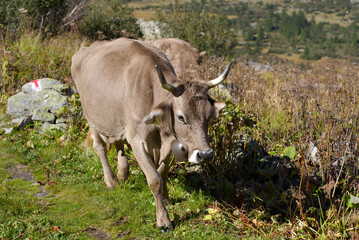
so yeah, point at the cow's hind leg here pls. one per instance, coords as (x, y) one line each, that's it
(100, 148)
(164, 163)
(163, 170)
(122, 167)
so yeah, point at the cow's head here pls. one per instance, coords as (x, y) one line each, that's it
(190, 112)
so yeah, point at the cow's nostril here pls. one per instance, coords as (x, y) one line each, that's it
(210, 154)
(206, 155)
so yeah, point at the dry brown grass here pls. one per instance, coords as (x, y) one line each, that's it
(290, 106)
(295, 107)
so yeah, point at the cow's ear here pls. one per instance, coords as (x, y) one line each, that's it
(218, 106)
(158, 115)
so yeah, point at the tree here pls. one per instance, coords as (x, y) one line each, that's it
(248, 49)
(108, 22)
(259, 38)
(248, 34)
(46, 15)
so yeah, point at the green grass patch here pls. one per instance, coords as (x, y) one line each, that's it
(78, 199)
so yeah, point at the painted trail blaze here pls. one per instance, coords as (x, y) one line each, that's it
(36, 83)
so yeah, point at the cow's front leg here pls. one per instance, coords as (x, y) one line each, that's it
(100, 148)
(154, 181)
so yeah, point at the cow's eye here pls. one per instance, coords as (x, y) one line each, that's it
(181, 119)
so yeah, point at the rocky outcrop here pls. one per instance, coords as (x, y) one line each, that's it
(40, 101)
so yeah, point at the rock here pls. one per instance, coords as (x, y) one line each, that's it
(259, 66)
(64, 89)
(25, 103)
(8, 130)
(43, 115)
(49, 127)
(150, 29)
(47, 84)
(313, 153)
(40, 100)
(61, 120)
(22, 122)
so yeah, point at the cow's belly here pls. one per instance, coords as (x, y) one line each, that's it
(106, 116)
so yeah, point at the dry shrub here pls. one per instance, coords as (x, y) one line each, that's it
(263, 139)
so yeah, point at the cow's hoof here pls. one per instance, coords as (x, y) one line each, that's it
(166, 229)
(123, 174)
(111, 183)
(121, 178)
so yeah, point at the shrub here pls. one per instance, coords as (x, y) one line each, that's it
(109, 21)
(44, 15)
(206, 31)
(10, 17)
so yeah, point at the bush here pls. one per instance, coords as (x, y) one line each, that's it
(206, 31)
(110, 21)
(43, 15)
(46, 15)
(10, 17)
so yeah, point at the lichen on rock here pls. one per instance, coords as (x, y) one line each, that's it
(43, 115)
(40, 100)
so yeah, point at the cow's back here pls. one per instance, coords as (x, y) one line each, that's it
(115, 80)
(180, 53)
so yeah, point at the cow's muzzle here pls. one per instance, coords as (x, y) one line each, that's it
(199, 156)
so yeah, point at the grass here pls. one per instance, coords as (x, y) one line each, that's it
(27, 58)
(262, 183)
(78, 198)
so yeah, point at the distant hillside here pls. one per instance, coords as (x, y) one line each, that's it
(279, 29)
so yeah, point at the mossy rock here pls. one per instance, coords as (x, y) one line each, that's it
(43, 115)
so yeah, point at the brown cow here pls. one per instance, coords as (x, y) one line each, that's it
(131, 95)
(181, 54)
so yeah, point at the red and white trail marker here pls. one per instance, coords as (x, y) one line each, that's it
(36, 85)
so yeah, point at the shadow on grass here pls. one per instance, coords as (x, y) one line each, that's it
(253, 180)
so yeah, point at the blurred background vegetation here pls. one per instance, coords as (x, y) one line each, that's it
(272, 30)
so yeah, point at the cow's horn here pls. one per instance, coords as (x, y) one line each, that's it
(221, 78)
(176, 91)
(163, 81)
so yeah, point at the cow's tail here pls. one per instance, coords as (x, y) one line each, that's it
(88, 141)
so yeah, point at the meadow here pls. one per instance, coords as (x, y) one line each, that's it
(264, 182)
(287, 158)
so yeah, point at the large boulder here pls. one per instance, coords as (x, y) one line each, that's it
(47, 84)
(24, 104)
(40, 100)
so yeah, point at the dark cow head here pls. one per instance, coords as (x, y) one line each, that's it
(190, 112)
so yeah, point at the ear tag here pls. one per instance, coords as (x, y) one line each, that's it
(156, 122)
